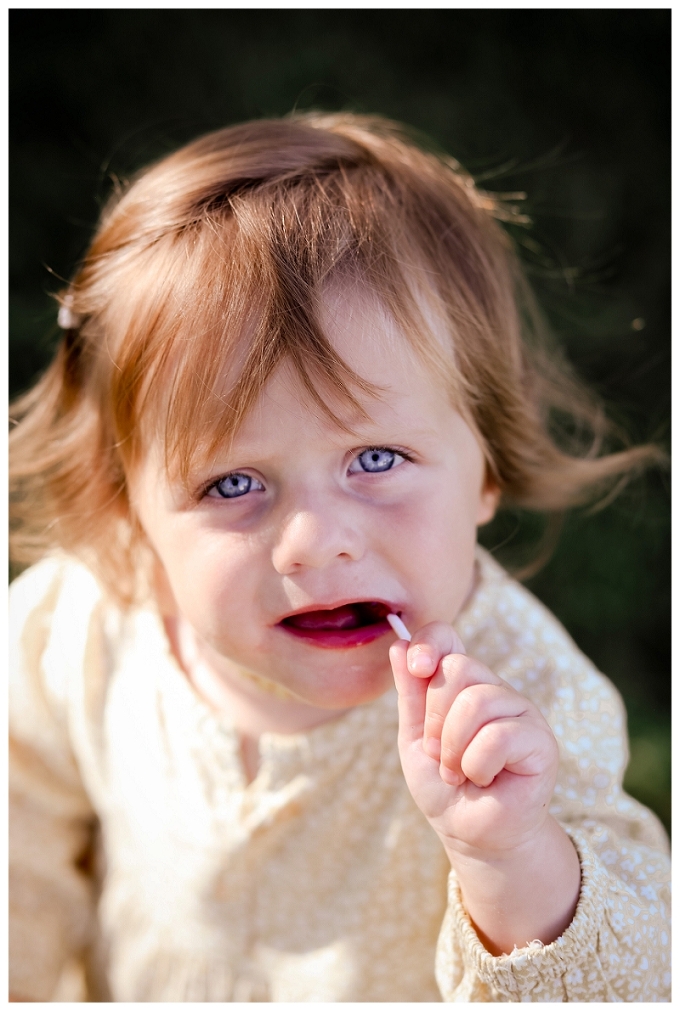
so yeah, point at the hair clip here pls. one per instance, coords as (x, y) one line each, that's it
(66, 318)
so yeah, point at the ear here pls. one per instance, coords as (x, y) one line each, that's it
(488, 499)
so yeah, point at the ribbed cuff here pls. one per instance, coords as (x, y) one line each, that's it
(536, 967)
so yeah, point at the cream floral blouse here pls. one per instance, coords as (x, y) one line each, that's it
(145, 868)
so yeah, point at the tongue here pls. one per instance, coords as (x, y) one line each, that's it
(341, 618)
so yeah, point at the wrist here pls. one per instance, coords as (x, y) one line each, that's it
(525, 893)
(499, 850)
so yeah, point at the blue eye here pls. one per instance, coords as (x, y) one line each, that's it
(235, 486)
(375, 460)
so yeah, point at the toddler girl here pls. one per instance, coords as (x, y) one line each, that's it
(299, 368)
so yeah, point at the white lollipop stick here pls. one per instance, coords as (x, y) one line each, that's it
(399, 627)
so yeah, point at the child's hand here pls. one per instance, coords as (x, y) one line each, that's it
(481, 764)
(479, 758)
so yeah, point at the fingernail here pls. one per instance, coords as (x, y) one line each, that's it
(432, 747)
(420, 662)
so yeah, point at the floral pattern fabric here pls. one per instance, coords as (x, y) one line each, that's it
(144, 867)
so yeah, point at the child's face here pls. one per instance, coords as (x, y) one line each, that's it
(319, 520)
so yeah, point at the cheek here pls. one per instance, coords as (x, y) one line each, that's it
(433, 542)
(203, 570)
(445, 509)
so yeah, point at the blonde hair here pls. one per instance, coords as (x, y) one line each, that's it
(207, 272)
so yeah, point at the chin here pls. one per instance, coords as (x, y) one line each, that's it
(357, 690)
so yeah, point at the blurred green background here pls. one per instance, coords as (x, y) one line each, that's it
(570, 106)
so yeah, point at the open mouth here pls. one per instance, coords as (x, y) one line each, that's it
(340, 627)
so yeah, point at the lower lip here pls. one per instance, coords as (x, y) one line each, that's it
(326, 638)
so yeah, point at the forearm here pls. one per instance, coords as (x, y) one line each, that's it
(530, 894)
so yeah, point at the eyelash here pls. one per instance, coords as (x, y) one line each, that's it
(222, 480)
(380, 449)
(367, 449)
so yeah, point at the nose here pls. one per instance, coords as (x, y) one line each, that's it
(315, 536)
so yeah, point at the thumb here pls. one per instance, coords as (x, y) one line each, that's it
(429, 645)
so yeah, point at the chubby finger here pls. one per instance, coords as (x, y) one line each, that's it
(509, 743)
(476, 707)
(412, 692)
(429, 645)
(455, 674)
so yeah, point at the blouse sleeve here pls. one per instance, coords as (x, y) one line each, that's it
(51, 819)
(617, 947)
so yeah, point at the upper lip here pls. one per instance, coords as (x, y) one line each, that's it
(390, 607)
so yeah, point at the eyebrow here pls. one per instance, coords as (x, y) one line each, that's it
(367, 435)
